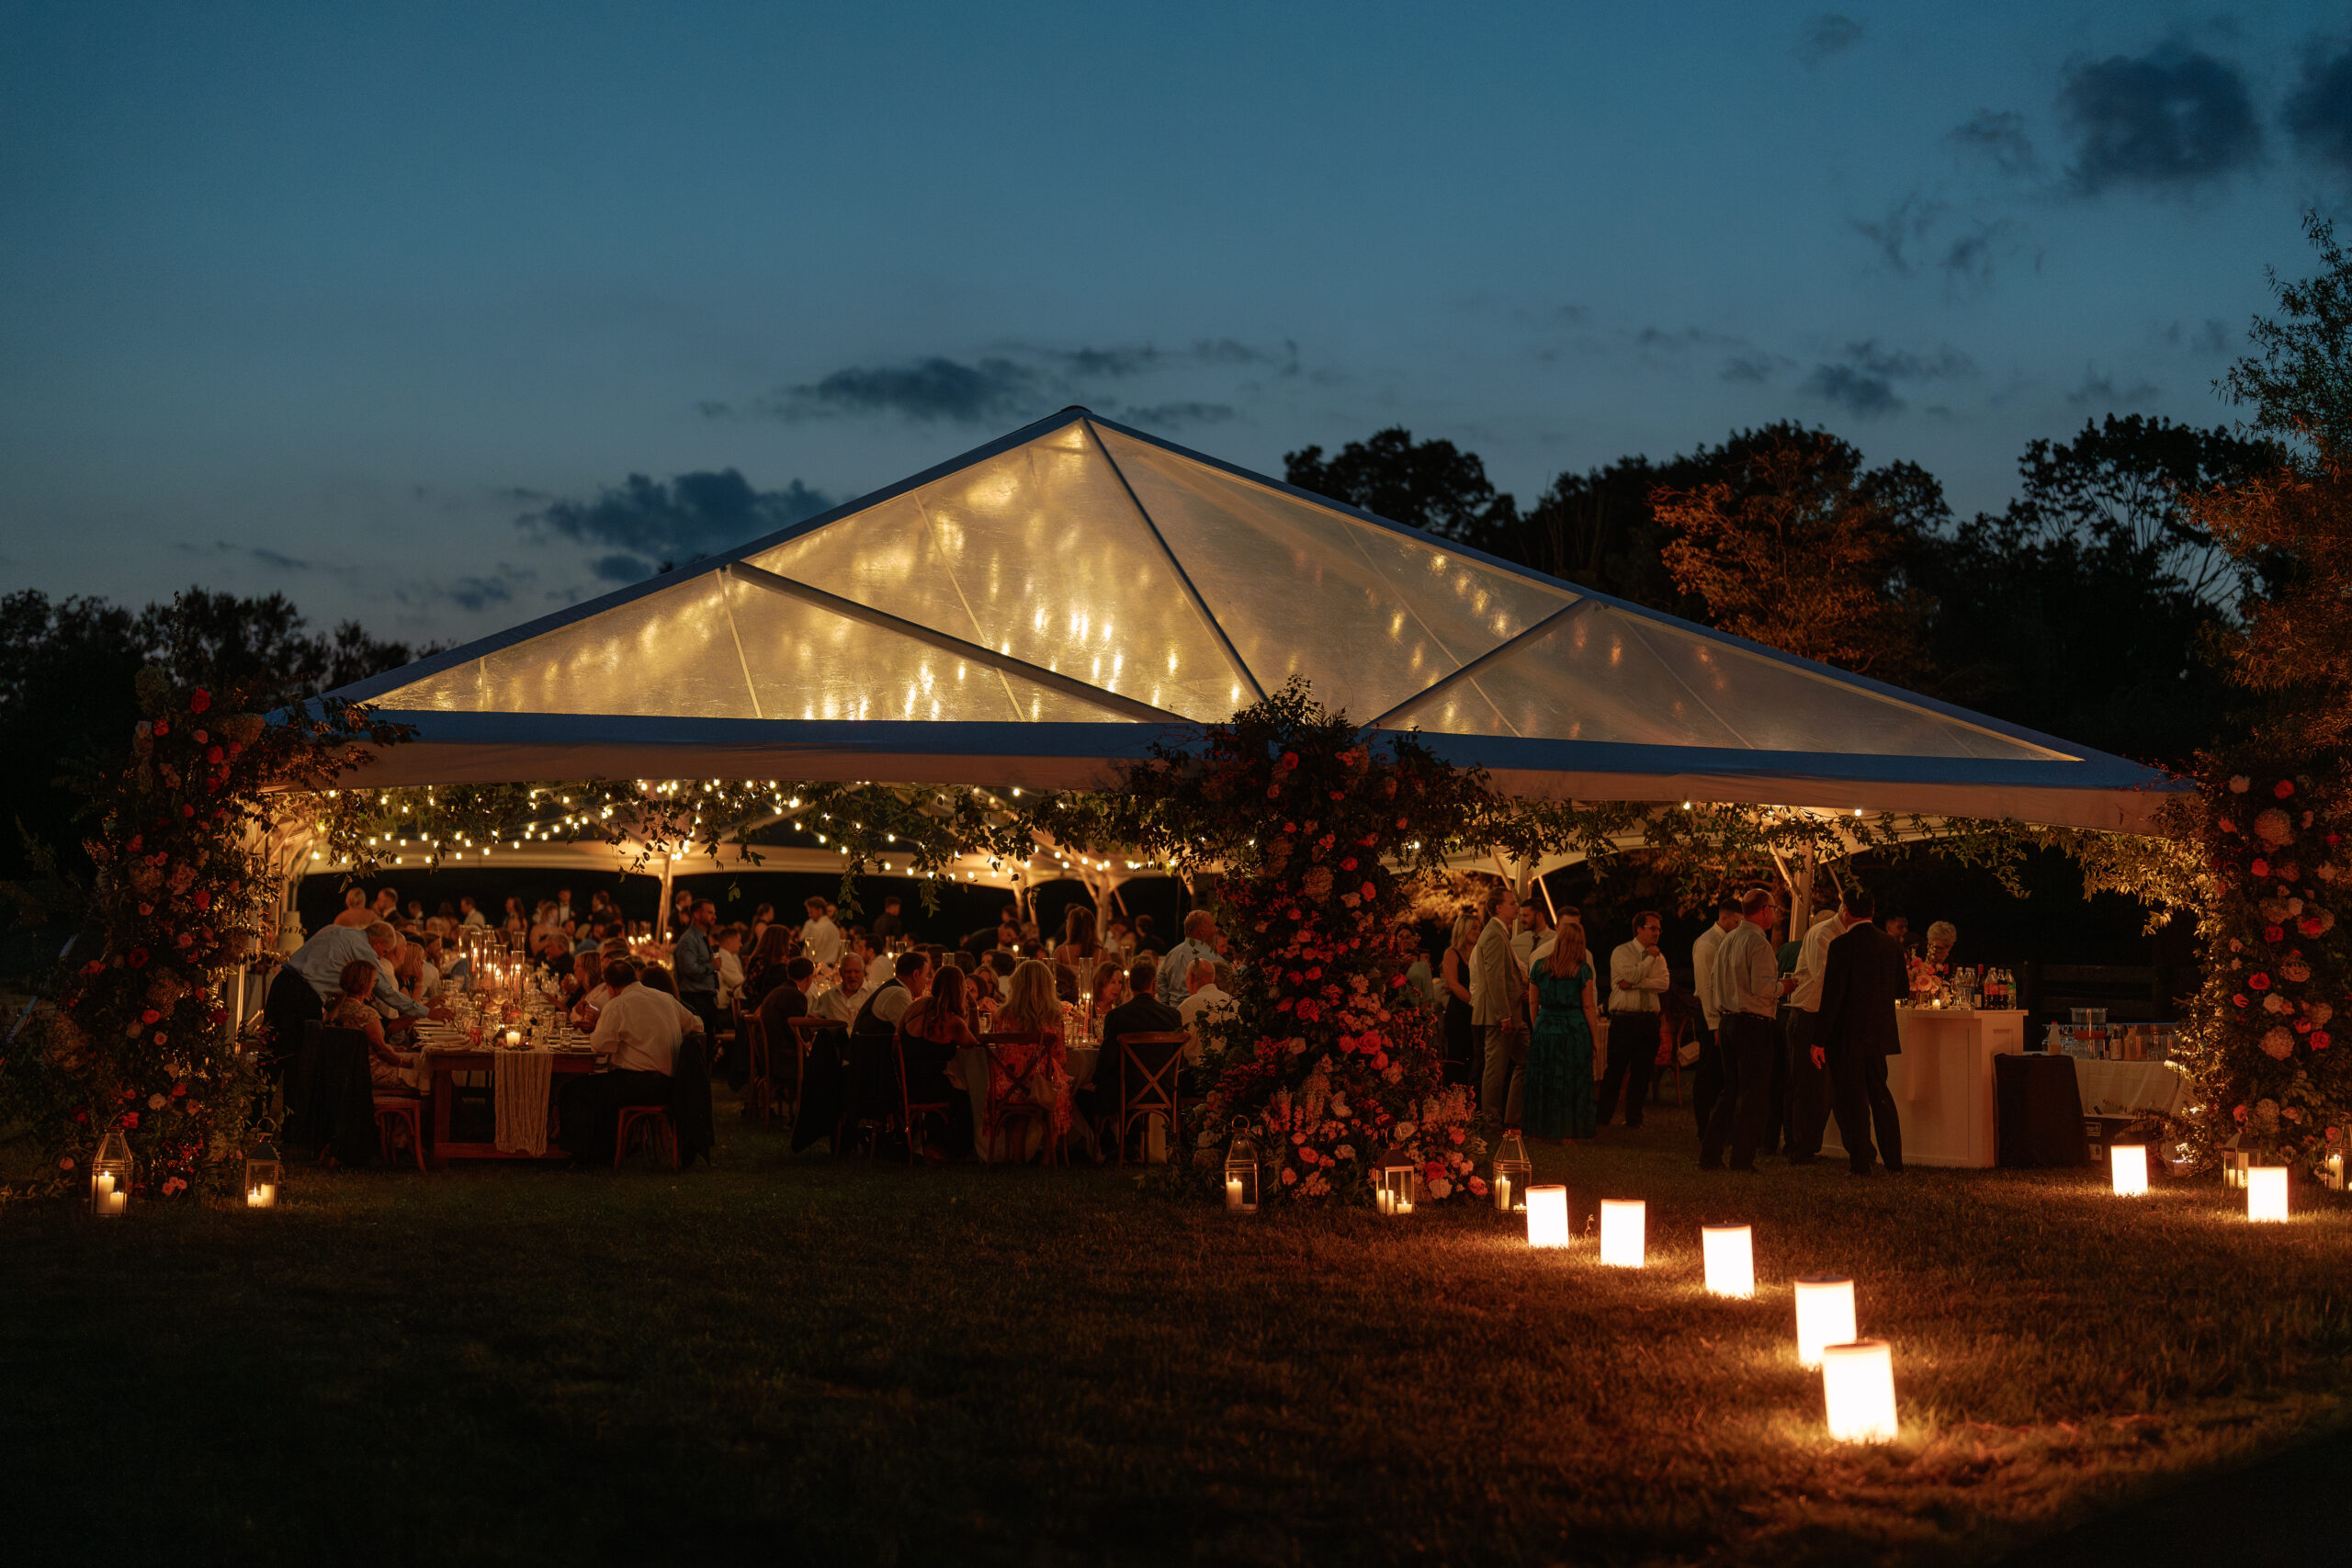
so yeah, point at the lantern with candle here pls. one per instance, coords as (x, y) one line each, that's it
(265, 1173)
(1730, 1254)
(1241, 1171)
(2266, 1192)
(1513, 1171)
(2127, 1166)
(1622, 1220)
(110, 1170)
(1857, 1386)
(1825, 1316)
(1395, 1181)
(1547, 1214)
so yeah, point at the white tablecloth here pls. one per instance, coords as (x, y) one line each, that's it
(2115, 1088)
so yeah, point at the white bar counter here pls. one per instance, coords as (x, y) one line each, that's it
(1942, 1084)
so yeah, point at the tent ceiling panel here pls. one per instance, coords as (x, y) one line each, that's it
(1369, 616)
(1039, 553)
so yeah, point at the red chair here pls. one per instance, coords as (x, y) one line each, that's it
(1147, 1067)
(645, 1122)
(1016, 1106)
(393, 1111)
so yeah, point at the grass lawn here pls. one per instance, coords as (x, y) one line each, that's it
(804, 1359)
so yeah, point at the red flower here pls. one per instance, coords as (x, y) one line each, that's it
(1368, 890)
(2319, 1039)
(2333, 840)
(214, 755)
(151, 1016)
(2273, 933)
(133, 846)
(1290, 761)
(2240, 998)
(130, 1119)
(1348, 863)
(2308, 925)
(203, 899)
(138, 958)
(2283, 788)
(93, 968)
(162, 726)
(2260, 867)
(197, 701)
(187, 810)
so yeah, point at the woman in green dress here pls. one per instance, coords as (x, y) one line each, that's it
(1559, 1098)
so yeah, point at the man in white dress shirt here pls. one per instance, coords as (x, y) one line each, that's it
(1208, 997)
(1808, 1082)
(1637, 978)
(1748, 990)
(640, 1031)
(841, 1001)
(820, 936)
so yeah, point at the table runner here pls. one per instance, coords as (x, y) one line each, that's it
(519, 1081)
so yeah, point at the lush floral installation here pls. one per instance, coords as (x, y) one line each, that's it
(130, 1030)
(2267, 1073)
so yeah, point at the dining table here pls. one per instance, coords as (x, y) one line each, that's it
(449, 1051)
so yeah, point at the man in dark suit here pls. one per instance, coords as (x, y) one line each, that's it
(1142, 1013)
(1862, 979)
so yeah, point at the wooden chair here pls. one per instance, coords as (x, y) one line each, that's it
(393, 1111)
(910, 1109)
(645, 1122)
(805, 1031)
(1147, 1064)
(759, 1092)
(1016, 1105)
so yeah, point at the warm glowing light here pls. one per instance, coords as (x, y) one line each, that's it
(1825, 1316)
(1858, 1385)
(2129, 1164)
(1731, 1259)
(2266, 1192)
(1622, 1222)
(1547, 1215)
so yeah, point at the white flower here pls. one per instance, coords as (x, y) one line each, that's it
(1406, 1129)
(1345, 1151)
(1441, 1188)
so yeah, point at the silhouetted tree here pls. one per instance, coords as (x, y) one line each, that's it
(1430, 485)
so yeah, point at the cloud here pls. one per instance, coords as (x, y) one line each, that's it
(927, 389)
(1902, 235)
(2098, 392)
(478, 592)
(1863, 381)
(1176, 415)
(1825, 34)
(1998, 137)
(261, 554)
(643, 521)
(2319, 111)
(1012, 381)
(2173, 119)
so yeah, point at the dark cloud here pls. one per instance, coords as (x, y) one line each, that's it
(478, 592)
(1915, 236)
(2098, 392)
(1998, 137)
(1902, 235)
(2319, 111)
(933, 389)
(1825, 34)
(1754, 367)
(2172, 119)
(261, 554)
(1863, 381)
(1968, 259)
(1176, 415)
(643, 522)
(2212, 336)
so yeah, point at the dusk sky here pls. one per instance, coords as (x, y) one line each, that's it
(386, 313)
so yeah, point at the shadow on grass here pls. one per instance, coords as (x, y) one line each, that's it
(809, 1360)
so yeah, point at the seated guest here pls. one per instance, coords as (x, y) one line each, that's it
(553, 951)
(653, 977)
(999, 975)
(764, 970)
(587, 973)
(727, 956)
(785, 1001)
(1110, 990)
(355, 912)
(1041, 1071)
(888, 1000)
(640, 1028)
(388, 1068)
(1142, 1013)
(1209, 998)
(842, 1001)
(591, 1001)
(935, 1026)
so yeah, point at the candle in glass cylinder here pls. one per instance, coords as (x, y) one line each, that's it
(105, 1184)
(1502, 1193)
(1233, 1192)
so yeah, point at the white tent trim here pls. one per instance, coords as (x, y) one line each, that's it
(1045, 606)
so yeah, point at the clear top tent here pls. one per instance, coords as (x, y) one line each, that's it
(1030, 612)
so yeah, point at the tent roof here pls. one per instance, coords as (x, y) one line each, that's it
(1036, 609)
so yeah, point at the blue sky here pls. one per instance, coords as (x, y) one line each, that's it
(383, 308)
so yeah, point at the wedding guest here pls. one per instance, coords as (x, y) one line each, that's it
(841, 1001)
(783, 1001)
(356, 911)
(820, 936)
(1637, 980)
(1498, 1003)
(1747, 990)
(354, 1007)
(1456, 970)
(935, 1026)
(1078, 949)
(1565, 1024)
(1864, 976)
(764, 970)
(323, 959)
(762, 918)
(1200, 941)
(888, 926)
(640, 1028)
(728, 957)
(469, 913)
(1209, 1000)
(1533, 930)
(1707, 1082)
(1142, 1013)
(1042, 1071)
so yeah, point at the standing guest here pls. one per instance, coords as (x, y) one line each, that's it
(762, 918)
(889, 926)
(514, 924)
(841, 1001)
(1565, 1012)
(416, 911)
(1419, 978)
(388, 903)
(698, 970)
(1533, 930)
(1456, 972)
(1120, 938)
(640, 1028)
(1748, 988)
(601, 907)
(323, 959)
(1637, 979)
(1899, 928)
(563, 910)
(1146, 935)
(355, 912)
(764, 970)
(1079, 948)
(469, 913)
(727, 956)
(1708, 1082)
(387, 1067)
(1200, 941)
(1810, 1090)
(1864, 976)
(820, 936)
(1499, 993)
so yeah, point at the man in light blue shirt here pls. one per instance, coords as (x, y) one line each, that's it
(321, 959)
(1199, 943)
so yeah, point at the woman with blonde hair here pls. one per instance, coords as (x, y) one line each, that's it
(1565, 1011)
(1042, 1071)
(1457, 972)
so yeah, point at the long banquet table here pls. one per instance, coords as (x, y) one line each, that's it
(447, 1054)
